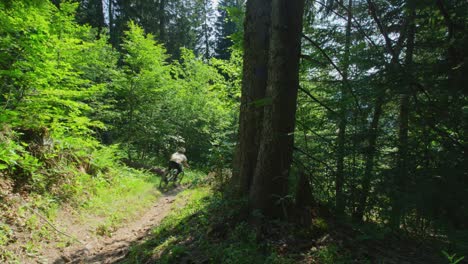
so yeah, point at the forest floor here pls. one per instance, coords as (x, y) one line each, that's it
(195, 224)
(209, 229)
(79, 236)
(92, 248)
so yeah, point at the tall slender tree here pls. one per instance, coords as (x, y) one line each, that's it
(92, 12)
(204, 22)
(225, 27)
(401, 174)
(162, 21)
(341, 139)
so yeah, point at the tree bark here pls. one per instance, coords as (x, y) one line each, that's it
(369, 155)
(270, 181)
(162, 21)
(341, 139)
(100, 14)
(372, 139)
(112, 31)
(402, 155)
(206, 31)
(304, 201)
(254, 81)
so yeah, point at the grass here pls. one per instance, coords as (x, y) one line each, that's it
(6, 234)
(205, 227)
(25, 219)
(200, 232)
(190, 177)
(118, 199)
(119, 196)
(104, 202)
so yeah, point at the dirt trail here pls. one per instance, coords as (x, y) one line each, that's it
(112, 249)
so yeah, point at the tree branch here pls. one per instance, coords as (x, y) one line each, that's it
(447, 19)
(357, 26)
(316, 100)
(315, 159)
(383, 31)
(316, 45)
(336, 68)
(309, 58)
(316, 134)
(429, 121)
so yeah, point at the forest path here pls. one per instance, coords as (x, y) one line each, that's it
(97, 249)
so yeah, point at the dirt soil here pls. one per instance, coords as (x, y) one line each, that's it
(99, 249)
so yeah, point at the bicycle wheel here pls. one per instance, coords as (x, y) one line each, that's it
(163, 180)
(181, 176)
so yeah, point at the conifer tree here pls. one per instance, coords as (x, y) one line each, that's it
(225, 28)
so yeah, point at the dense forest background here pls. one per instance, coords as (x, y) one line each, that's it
(378, 127)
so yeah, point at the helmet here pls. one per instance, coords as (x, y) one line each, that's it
(181, 150)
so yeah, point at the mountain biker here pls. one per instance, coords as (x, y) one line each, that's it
(178, 159)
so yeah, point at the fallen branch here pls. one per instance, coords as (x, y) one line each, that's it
(50, 224)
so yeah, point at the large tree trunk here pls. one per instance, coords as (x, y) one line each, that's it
(341, 140)
(275, 154)
(255, 75)
(369, 154)
(402, 155)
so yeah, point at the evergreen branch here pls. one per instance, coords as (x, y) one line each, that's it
(314, 158)
(326, 140)
(347, 85)
(383, 31)
(316, 100)
(357, 25)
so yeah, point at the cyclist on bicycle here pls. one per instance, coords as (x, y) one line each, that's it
(177, 161)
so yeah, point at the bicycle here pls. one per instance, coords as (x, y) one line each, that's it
(171, 176)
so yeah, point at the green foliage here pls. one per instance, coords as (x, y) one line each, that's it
(320, 224)
(63, 90)
(236, 15)
(5, 234)
(140, 93)
(228, 25)
(232, 71)
(49, 92)
(204, 113)
(393, 178)
(16, 160)
(104, 158)
(330, 254)
(452, 258)
(161, 106)
(44, 82)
